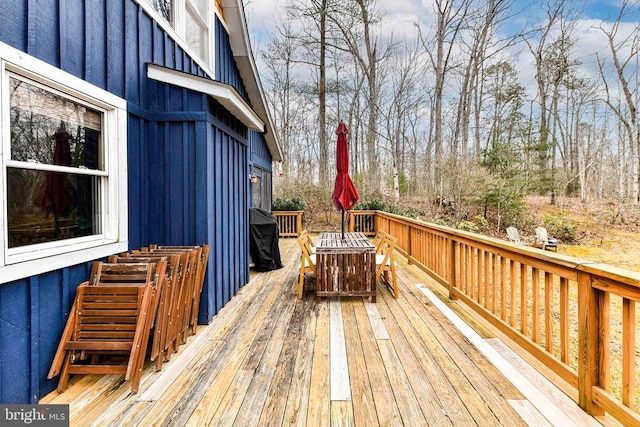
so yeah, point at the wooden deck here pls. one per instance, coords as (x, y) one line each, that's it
(269, 358)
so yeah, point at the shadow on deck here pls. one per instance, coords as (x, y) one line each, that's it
(269, 358)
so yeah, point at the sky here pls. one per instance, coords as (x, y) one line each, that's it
(262, 14)
(400, 16)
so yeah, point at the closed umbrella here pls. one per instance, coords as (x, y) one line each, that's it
(345, 194)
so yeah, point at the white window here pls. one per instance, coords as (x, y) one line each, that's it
(193, 22)
(63, 179)
(197, 27)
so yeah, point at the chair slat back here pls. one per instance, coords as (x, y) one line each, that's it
(107, 320)
(306, 259)
(513, 235)
(164, 306)
(123, 274)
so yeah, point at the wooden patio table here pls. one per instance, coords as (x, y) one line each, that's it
(345, 266)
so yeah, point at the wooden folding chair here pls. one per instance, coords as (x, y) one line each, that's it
(132, 274)
(377, 239)
(105, 320)
(194, 277)
(307, 262)
(385, 262)
(188, 276)
(176, 330)
(162, 324)
(201, 270)
(307, 238)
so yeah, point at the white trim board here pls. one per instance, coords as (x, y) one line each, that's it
(223, 93)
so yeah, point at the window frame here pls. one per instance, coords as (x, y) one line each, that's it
(204, 23)
(176, 28)
(29, 260)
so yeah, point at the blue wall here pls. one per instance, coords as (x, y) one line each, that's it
(187, 160)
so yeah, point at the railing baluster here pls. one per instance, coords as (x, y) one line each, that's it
(628, 352)
(535, 303)
(564, 320)
(486, 280)
(503, 288)
(548, 311)
(451, 266)
(524, 318)
(605, 343)
(494, 285)
(474, 270)
(512, 283)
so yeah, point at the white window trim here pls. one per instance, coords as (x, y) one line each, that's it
(176, 30)
(18, 263)
(225, 94)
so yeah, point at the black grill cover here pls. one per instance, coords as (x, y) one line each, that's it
(263, 240)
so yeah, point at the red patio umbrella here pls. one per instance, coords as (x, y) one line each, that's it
(345, 194)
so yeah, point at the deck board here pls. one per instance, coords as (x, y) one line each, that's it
(266, 359)
(364, 408)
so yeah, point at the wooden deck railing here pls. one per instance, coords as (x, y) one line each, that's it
(363, 222)
(289, 222)
(577, 317)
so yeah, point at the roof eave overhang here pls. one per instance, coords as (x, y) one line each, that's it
(241, 48)
(225, 94)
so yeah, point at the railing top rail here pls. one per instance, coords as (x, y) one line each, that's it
(595, 268)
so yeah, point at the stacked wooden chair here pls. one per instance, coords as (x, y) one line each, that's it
(112, 315)
(139, 303)
(385, 243)
(194, 273)
(307, 259)
(163, 333)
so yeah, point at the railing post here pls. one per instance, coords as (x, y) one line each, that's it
(589, 318)
(451, 266)
(299, 223)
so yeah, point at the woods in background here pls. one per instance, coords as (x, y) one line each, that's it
(477, 102)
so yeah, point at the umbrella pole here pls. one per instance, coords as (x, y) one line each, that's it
(342, 224)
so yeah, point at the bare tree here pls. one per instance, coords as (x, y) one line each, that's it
(357, 21)
(279, 57)
(406, 96)
(550, 53)
(624, 58)
(451, 19)
(484, 44)
(314, 36)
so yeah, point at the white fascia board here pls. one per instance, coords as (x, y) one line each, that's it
(223, 93)
(236, 25)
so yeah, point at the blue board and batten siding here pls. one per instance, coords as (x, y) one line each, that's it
(188, 162)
